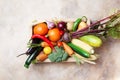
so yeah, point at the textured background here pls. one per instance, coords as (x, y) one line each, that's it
(16, 17)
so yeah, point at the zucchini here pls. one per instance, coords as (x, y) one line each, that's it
(76, 23)
(79, 50)
(92, 40)
(32, 57)
(83, 45)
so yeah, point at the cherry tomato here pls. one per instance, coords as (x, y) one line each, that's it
(59, 44)
(47, 50)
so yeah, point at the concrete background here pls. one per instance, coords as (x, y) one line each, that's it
(16, 17)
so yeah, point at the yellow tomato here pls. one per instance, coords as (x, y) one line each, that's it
(47, 50)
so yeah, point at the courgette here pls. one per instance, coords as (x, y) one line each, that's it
(92, 40)
(79, 50)
(32, 57)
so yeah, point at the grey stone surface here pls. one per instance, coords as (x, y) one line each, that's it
(16, 17)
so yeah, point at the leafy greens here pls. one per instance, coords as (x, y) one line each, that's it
(58, 55)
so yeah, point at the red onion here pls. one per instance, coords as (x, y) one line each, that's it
(61, 25)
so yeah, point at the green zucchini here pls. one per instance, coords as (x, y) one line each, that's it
(76, 23)
(32, 57)
(79, 50)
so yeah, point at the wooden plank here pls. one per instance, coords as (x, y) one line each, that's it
(71, 59)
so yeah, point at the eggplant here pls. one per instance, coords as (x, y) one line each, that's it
(31, 49)
(32, 56)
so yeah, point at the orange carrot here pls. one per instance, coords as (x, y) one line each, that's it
(44, 44)
(68, 49)
(41, 57)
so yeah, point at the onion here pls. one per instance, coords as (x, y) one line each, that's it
(61, 25)
(50, 24)
(66, 37)
(70, 25)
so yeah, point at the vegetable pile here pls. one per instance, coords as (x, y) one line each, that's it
(60, 40)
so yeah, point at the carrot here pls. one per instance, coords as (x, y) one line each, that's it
(44, 44)
(41, 56)
(68, 49)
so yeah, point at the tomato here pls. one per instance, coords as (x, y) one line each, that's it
(59, 44)
(54, 34)
(40, 29)
(47, 50)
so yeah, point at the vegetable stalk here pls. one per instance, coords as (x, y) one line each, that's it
(93, 25)
(31, 49)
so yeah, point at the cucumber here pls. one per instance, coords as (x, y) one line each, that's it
(79, 50)
(32, 57)
(76, 23)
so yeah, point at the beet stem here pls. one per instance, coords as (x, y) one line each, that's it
(92, 25)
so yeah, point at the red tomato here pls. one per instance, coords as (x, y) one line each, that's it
(59, 44)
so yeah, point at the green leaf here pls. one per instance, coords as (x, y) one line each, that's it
(113, 27)
(77, 59)
(33, 45)
(58, 55)
(51, 57)
(58, 59)
(34, 61)
(65, 55)
(113, 22)
(114, 32)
